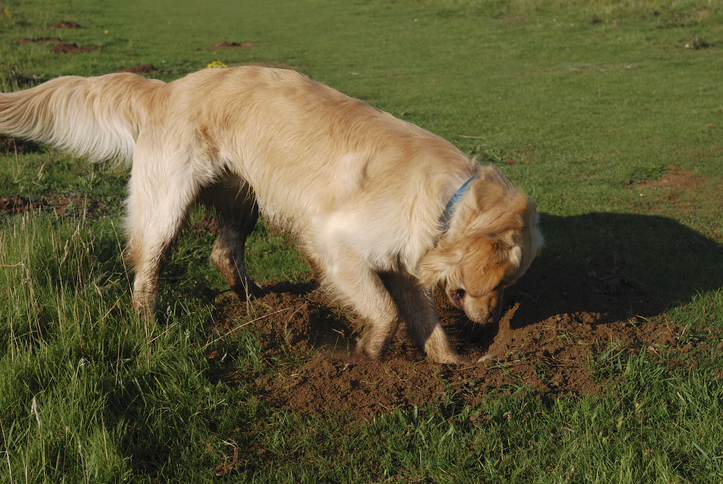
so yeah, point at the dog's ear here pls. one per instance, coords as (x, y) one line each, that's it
(485, 264)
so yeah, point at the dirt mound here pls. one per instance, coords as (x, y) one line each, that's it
(59, 47)
(140, 69)
(230, 45)
(559, 330)
(682, 180)
(10, 145)
(61, 204)
(71, 48)
(17, 205)
(39, 40)
(63, 24)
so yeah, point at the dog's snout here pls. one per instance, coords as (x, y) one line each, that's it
(483, 309)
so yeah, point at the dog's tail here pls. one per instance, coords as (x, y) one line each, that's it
(96, 117)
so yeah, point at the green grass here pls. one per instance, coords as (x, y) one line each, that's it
(577, 102)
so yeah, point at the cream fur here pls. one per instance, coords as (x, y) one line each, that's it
(361, 190)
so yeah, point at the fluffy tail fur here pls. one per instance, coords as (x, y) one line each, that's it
(96, 117)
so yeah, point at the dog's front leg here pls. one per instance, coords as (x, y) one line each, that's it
(376, 307)
(358, 286)
(417, 308)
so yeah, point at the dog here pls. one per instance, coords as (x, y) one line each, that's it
(384, 210)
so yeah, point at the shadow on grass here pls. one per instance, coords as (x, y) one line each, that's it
(657, 261)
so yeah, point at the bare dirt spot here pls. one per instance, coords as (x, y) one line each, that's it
(556, 325)
(681, 180)
(140, 69)
(64, 24)
(59, 47)
(39, 40)
(10, 145)
(230, 45)
(60, 204)
(72, 48)
(17, 205)
(678, 191)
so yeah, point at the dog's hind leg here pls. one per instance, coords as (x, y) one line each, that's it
(237, 212)
(417, 308)
(160, 195)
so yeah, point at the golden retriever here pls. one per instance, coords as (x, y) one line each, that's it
(383, 209)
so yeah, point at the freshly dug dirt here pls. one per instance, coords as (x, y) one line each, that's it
(63, 24)
(71, 48)
(230, 45)
(140, 69)
(556, 323)
(17, 146)
(73, 204)
(39, 40)
(675, 179)
(17, 205)
(59, 47)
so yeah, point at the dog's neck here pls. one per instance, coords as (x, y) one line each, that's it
(452, 205)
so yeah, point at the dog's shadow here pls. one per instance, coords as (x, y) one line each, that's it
(614, 267)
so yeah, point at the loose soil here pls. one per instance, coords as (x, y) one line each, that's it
(675, 179)
(60, 204)
(63, 24)
(141, 69)
(560, 334)
(59, 47)
(229, 45)
(17, 146)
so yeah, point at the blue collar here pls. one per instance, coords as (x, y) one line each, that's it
(451, 206)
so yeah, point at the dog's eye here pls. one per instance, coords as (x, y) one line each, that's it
(459, 294)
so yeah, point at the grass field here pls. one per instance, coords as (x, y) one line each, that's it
(608, 113)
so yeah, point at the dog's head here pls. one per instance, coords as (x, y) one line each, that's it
(492, 240)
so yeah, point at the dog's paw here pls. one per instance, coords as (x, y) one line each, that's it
(450, 359)
(366, 350)
(248, 289)
(485, 358)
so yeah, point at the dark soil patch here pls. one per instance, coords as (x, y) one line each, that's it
(678, 191)
(556, 325)
(72, 48)
(681, 180)
(63, 24)
(17, 205)
(140, 69)
(39, 40)
(229, 45)
(60, 204)
(59, 47)
(10, 145)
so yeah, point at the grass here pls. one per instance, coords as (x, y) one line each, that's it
(578, 103)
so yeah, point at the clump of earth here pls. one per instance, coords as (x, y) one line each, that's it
(556, 321)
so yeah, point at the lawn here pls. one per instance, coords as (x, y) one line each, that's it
(609, 355)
